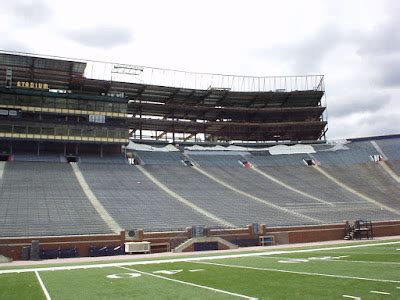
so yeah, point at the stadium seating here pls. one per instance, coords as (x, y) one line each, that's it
(391, 147)
(42, 198)
(223, 202)
(135, 202)
(160, 158)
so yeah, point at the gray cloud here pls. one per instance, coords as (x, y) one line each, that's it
(306, 56)
(374, 123)
(390, 74)
(361, 102)
(101, 37)
(14, 45)
(29, 13)
(380, 47)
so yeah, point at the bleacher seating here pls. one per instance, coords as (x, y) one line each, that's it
(42, 198)
(223, 202)
(134, 201)
(391, 147)
(160, 158)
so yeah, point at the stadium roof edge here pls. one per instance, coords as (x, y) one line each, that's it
(72, 59)
(376, 137)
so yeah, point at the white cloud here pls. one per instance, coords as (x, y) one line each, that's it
(356, 44)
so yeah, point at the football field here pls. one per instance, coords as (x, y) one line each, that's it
(367, 270)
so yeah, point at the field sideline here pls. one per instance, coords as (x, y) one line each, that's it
(367, 270)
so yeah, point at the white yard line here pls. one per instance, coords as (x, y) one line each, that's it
(188, 259)
(378, 292)
(338, 260)
(297, 272)
(351, 297)
(191, 284)
(46, 293)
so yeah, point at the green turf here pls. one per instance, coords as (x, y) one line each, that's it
(20, 286)
(323, 274)
(264, 249)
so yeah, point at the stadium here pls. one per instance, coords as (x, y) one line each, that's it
(109, 160)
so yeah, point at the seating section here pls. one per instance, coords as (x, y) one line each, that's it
(391, 148)
(370, 180)
(160, 158)
(135, 202)
(395, 166)
(358, 152)
(50, 157)
(215, 198)
(268, 160)
(44, 197)
(106, 159)
(41, 198)
(212, 159)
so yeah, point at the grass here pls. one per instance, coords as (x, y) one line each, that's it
(320, 274)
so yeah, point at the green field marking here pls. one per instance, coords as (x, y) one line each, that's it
(196, 258)
(94, 284)
(236, 295)
(343, 245)
(20, 286)
(272, 285)
(303, 270)
(259, 275)
(324, 258)
(43, 287)
(381, 271)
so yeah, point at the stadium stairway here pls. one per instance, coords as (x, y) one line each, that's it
(390, 170)
(2, 166)
(42, 198)
(366, 181)
(233, 205)
(134, 201)
(112, 224)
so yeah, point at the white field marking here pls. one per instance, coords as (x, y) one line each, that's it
(179, 198)
(378, 292)
(46, 293)
(265, 202)
(297, 272)
(191, 284)
(333, 259)
(281, 183)
(123, 275)
(167, 272)
(364, 253)
(196, 270)
(194, 259)
(353, 191)
(292, 260)
(107, 218)
(351, 297)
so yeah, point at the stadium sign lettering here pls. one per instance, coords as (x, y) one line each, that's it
(33, 85)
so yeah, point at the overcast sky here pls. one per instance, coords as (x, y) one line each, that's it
(355, 44)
